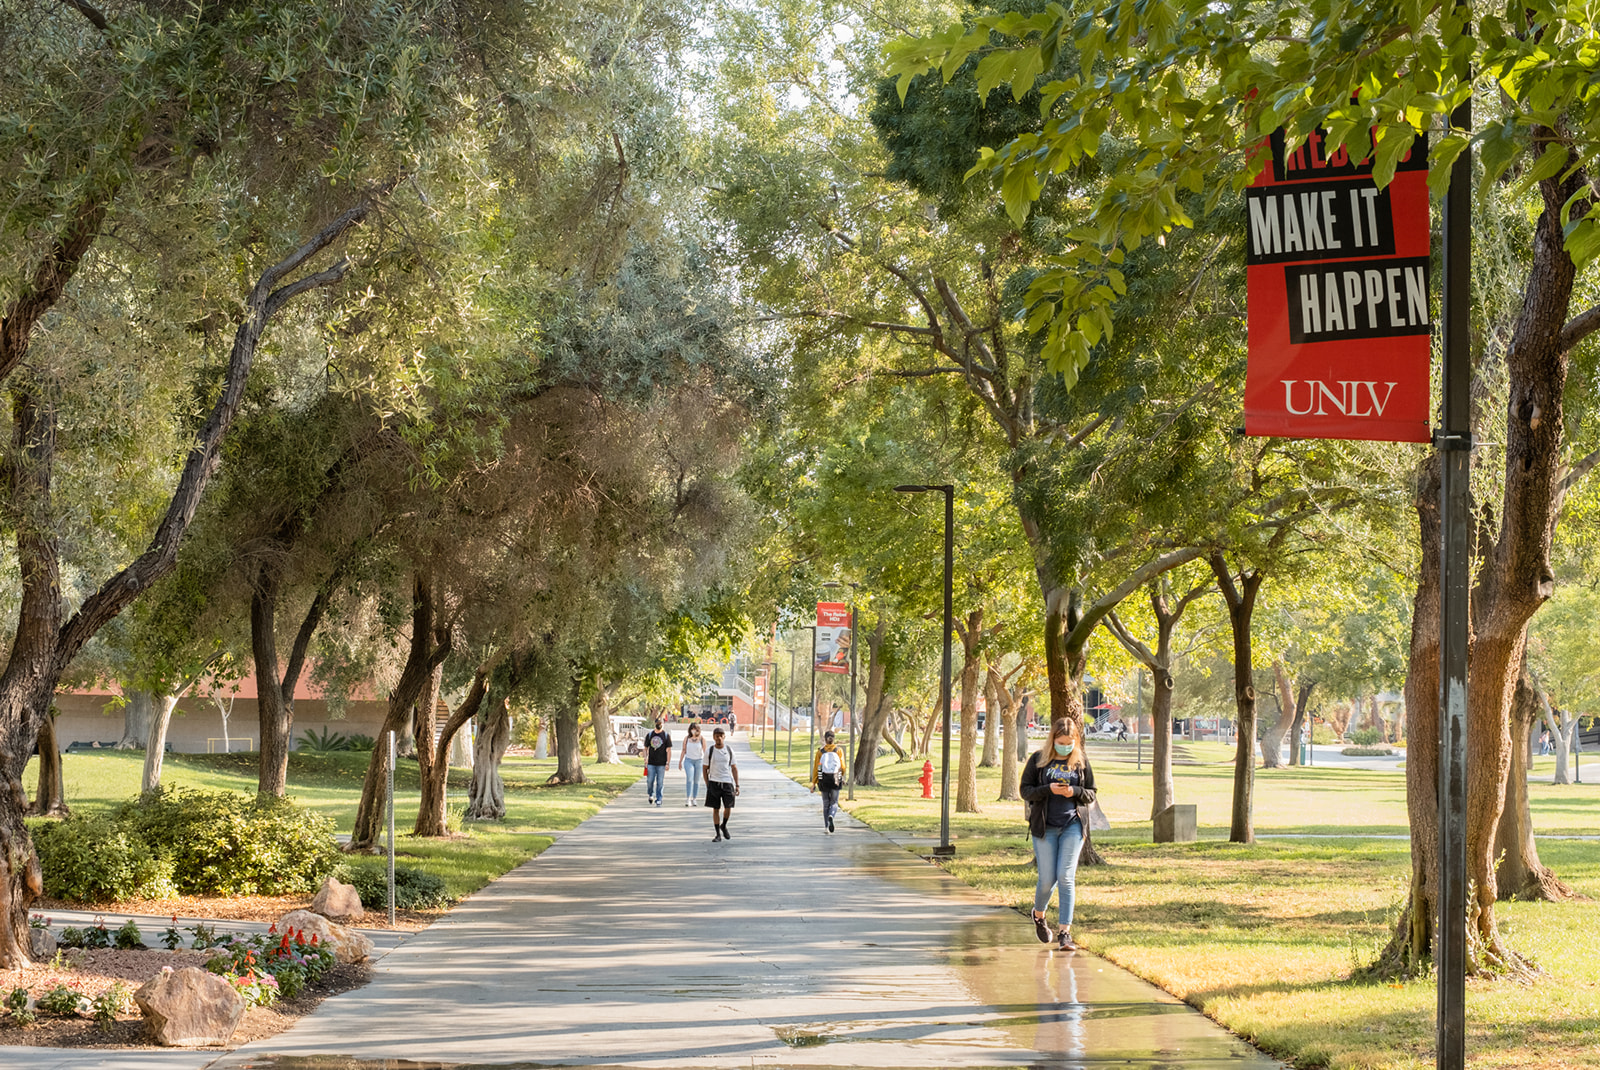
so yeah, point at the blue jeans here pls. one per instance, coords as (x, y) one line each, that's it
(655, 780)
(1057, 851)
(691, 778)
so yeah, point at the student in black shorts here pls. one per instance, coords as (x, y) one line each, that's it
(722, 784)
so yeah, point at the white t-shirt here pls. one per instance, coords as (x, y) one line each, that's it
(720, 768)
(694, 748)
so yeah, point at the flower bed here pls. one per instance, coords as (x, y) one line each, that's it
(83, 998)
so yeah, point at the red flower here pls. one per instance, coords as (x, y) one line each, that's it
(274, 929)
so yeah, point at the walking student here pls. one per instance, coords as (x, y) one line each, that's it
(827, 773)
(657, 753)
(722, 784)
(690, 761)
(1056, 783)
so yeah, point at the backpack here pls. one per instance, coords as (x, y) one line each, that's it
(829, 764)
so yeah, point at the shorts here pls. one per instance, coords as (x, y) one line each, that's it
(719, 793)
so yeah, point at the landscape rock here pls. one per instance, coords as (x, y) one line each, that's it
(190, 1008)
(41, 944)
(337, 900)
(348, 945)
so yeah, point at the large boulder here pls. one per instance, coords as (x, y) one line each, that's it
(190, 1008)
(348, 945)
(336, 900)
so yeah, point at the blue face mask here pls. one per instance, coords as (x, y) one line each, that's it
(1063, 749)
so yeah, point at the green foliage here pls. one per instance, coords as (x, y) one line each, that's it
(268, 965)
(329, 741)
(71, 936)
(106, 1007)
(414, 889)
(1365, 737)
(96, 859)
(128, 938)
(224, 843)
(97, 937)
(61, 1000)
(17, 1007)
(205, 937)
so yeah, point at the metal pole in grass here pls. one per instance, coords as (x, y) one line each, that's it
(391, 829)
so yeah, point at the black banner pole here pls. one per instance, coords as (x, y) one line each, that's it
(1454, 441)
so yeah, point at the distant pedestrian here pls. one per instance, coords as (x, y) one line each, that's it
(722, 784)
(1544, 741)
(690, 761)
(1056, 782)
(657, 754)
(827, 773)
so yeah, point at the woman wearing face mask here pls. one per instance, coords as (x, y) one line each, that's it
(690, 761)
(1056, 781)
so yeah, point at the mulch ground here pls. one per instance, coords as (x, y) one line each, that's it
(265, 908)
(92, 972)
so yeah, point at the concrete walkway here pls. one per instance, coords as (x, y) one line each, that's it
(635, 940)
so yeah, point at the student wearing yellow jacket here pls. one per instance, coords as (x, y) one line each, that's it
(827, 773)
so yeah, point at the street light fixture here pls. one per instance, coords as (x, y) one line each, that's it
(945, 848)
(850, 744)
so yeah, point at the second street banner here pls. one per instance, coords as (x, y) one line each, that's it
(1339, 324)
(833, 637)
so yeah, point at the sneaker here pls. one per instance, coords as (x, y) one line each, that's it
(724, 830)
(1041, 927)
(1064, 941)
(830, 822)
(718, 837)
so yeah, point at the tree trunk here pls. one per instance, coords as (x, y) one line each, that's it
(605, 743)
(541, 743)
(1562, 726)
(1515, 577)
(430, 644)
(136, 711)
(1009, 714)
(155, 747)
(486, 797)
(1522, 875)
(928, 728)
(991, 733)
(1020, 732)
(50, 800)
(1241, 599)
(967, 769)
(876, 711)
(569, 760)
(435, 775)
(1272, 742)
(891, 735)
(1297, 729)
(1163, 793)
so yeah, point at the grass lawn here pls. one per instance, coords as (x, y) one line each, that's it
(331, 785)
(1265, 938)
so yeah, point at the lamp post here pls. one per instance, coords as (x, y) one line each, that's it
(770, 712)
(789, 754)
(850, 740)
(945, 848)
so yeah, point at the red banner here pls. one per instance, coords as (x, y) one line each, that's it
(833, 637)
(1339, 322)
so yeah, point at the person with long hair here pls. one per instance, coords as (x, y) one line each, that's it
(1057, 782)
(690, 761)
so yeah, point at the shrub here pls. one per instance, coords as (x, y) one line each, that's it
(414, 889)
(129, 938)
(62, 1000)
(1367, 752)
(97, 936)
(1366, 737)
(94, 859)
(327, 742)
(70, 937)
(118, 999)
(359, 742)
(225, 843)
(18, 1006)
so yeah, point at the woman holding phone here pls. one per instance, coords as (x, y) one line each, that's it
(1056, 781)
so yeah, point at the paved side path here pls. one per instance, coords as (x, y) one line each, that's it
(635, 940)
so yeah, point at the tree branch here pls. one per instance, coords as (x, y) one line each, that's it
(1578, 471)
(1085, 626)
(90, 12)
(1139, 650)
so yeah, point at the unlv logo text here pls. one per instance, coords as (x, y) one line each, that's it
(1345, 398)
